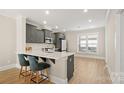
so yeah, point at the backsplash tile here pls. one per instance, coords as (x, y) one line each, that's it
(39, 46)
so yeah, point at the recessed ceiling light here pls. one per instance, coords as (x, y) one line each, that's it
(85, 10)
(47, 12)
(44, 22)
(89, 20)
(56, 27)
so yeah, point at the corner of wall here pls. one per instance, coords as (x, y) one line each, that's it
(115, 77)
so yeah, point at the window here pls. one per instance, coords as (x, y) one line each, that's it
(82, 44)
(88, 43)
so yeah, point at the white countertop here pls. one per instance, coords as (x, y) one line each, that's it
(53, 55)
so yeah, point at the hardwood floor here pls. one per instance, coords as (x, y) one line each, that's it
(87, 71)
(90, 71)
(11, 76)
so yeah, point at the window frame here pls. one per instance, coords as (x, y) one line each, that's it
(88, 52)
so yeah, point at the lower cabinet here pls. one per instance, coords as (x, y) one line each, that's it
(70, 67)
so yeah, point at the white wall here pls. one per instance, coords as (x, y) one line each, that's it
(122, 49)
(112, 30)
(20, 34)
(7, 41)
(72, 41)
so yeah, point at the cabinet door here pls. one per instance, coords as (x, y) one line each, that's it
(70, 67)
(28, 33)
(48, 33)
(53, 37)
(39, 36)
(33, 34)
(42, 36)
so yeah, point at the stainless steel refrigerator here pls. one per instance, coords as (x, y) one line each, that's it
(63, 45)
(60, 43)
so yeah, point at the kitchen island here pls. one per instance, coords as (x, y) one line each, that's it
(62, 65)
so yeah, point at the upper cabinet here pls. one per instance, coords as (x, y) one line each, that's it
(47, 33)
(60, 35)
(40, 36)
(53, 37)
(29, 33)
(33, 35)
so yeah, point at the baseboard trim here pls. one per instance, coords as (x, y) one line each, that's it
(115, 77)
(122, 77)
(18, 66)
(110, 73)
(95, 57)
(7, 67)
(57, 80)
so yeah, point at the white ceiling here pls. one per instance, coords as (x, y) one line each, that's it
(69, 19)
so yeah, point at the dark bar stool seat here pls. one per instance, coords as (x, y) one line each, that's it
(36, 68)
(24, 64)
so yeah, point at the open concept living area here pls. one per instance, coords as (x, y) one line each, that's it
(61, 46)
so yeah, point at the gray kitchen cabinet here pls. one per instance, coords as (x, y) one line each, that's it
(47, 33)
(30, 33)
(33, 35)
(40, 36)
(60, 35)
(70, 67)
(53, 37)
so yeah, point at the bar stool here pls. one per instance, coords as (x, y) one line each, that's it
(36, 68)
(24, 63)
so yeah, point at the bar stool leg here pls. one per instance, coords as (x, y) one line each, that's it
(47, 72)
(20, 71)
(37, 77)
(30, 77)
(25, 72)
